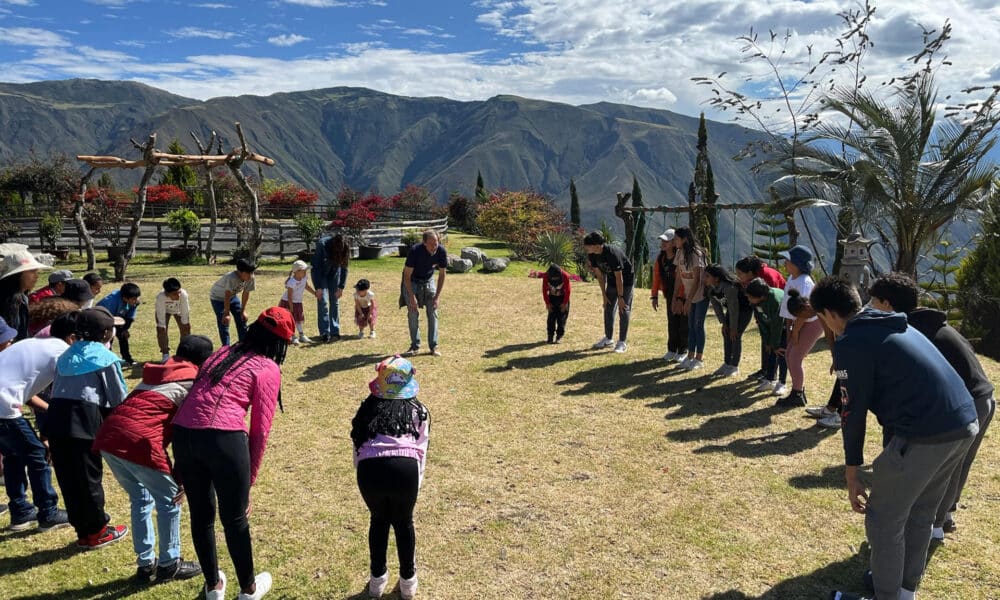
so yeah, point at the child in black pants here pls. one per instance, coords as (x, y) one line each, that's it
(555, 292)
(390, 433)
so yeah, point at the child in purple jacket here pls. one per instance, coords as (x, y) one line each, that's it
(390, 433)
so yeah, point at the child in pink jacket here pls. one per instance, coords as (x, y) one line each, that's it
(214, 450)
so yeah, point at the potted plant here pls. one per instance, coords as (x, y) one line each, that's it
(410, 238)
(104, 215)
(309, 227)
(186, 223)
(355, 220)
(50, 229)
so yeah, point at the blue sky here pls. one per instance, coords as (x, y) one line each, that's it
(639, 52)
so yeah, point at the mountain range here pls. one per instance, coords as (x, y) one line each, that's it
(324, 139)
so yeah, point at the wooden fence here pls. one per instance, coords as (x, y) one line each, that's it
(279, 239)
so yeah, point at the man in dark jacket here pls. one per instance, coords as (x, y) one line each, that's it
(896, 373)
(329, 276)
(897, 292)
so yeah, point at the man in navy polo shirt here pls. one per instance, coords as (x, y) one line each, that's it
(419, 289)
(894, 372)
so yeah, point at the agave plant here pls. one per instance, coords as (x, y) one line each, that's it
(554, 248)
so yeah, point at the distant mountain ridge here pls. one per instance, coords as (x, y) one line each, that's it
(323, 139)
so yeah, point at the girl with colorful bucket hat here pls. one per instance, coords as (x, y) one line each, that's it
(217, 457)
(390, 435)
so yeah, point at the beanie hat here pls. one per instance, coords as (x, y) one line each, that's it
(194, 348)
(77, 290)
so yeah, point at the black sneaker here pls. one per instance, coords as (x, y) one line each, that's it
(796, 399)
(325, 338)
(845, 596)
(868, 581)
(24, 523)
(146, 574)
(58, 520)
(949, 526)
(334, 337)
(181, 569)
(413, 350)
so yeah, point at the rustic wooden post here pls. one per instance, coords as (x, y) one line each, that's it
(281, 242)
(159, 238)
(83, 235)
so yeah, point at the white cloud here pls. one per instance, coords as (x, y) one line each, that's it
(212, 5)
(111, 3)
(30, 36)
(198, 32)
(18, 2)
(287, 39)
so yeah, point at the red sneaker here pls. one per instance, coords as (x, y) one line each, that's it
(108, 535)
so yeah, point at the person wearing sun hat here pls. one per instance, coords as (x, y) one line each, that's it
(665, 280)
(390, 435)
(217, 457)
(296, 287)
(18, 276)
(802, 333)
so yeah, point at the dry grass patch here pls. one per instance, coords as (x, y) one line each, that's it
(554, 471)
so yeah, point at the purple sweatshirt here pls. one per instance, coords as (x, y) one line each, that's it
(382, 445)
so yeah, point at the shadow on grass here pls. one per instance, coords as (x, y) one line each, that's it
(722, 426)
(512, 348)
(344, 363)
(648, 378)
(14, 564)
(830, 477)
(844, 575)
(539, 362)
(784, 443)
(120, 588)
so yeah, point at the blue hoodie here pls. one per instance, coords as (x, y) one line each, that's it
(897, 374)
(88, 384)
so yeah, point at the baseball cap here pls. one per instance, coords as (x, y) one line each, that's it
(59, 276)
(278, 321)
(93, 322)
(77, 290)
(194, 348)
(7, 333)
(668, 235)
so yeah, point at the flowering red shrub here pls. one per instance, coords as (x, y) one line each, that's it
(360, 215)
(164, 194)
(413, 198)
(122, 199)
(518, 218)
(292, 196)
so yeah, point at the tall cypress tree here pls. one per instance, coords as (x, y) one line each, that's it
(705, 218)
(480, 187)
(574, 205)
(639, 253)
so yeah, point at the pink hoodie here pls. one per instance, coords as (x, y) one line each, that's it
(253, 385)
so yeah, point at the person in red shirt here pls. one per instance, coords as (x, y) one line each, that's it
(747, 269)
(555, 292)
(55, 287)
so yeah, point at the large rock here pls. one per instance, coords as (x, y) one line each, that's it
(459, 265)
(474, 254)
(495, 265)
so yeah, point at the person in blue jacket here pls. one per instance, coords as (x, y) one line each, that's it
(329, 276)
(123, 303)
(893, 371)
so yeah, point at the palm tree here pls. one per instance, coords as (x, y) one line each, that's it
(905, 173)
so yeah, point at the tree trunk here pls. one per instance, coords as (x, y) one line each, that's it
(627, 218)
(213, 207)
(121, 265)
(812, 242)
(234, 164)
(845, 226)
(81, 225)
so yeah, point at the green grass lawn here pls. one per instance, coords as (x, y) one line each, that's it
(554, 471)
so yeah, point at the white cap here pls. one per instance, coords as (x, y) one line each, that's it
(667, 236)
(299, 265)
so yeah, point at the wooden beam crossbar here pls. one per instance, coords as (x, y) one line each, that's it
(688, 207)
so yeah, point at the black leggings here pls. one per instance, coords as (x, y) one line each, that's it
(733, 349)
(389, 487)
(80, 473)
(214, 463)
(556, 321)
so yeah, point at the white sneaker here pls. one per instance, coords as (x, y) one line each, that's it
(165, 358)
(621, 347)
(217, 594)
(670, 356)
(937, 533)
(684, 363)
(376, 585)
(764, 385)
(263, 581)
(361, 334)
(732, 371)
(721, 371)
(820, 412)
(304, 339)
(600, 345)
(779, 389)
(295, 341)
(695, 364)
(831, 422)
(408, 588)
(372, 335)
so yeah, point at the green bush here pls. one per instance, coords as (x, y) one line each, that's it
(462, 214)
(979, 285)
(50, 229)
(411, 237)
(519, 218)
(309, 227)
(185, 222)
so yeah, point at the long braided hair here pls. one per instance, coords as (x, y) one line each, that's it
(258, 340)
(385, 416)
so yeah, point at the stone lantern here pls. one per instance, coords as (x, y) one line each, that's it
(854, 266)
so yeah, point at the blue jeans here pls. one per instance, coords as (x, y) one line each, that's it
(147, 488)
(696, 327)
(328, 312)
(236, 312)
(424, 292)
(23, 464)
